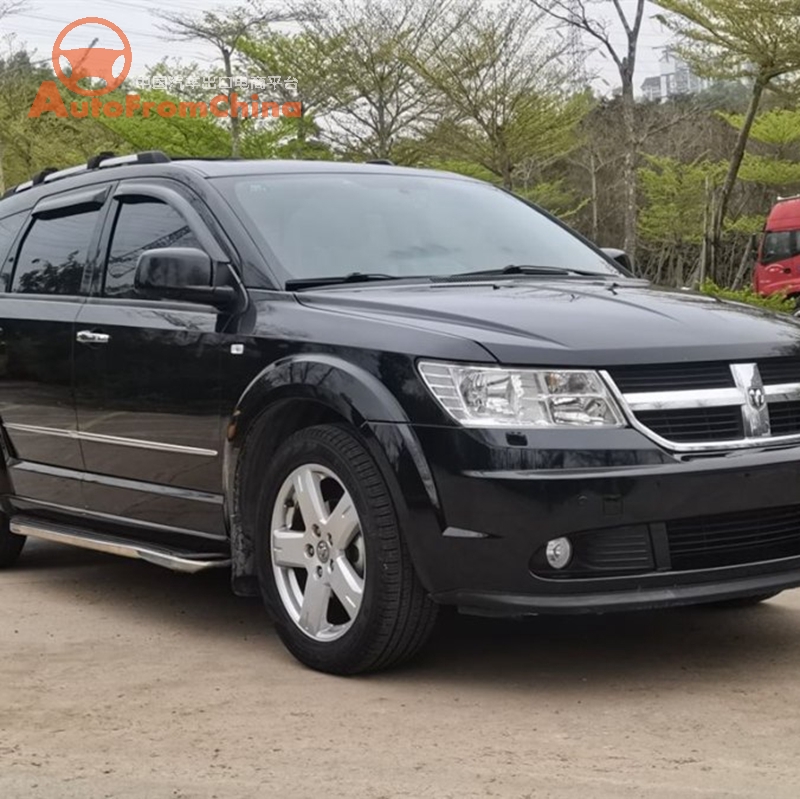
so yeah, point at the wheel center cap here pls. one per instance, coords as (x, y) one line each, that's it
(323, 552)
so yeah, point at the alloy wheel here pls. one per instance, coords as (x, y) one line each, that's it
(317, 551)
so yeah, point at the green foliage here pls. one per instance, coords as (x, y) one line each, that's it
(779, 127)
(779, 131)
(325, 85)
(29, 145)
(747, 225)
(775, 302)
(502, 98)
(205, 137)
(287, 138)
(756, 39)
(769, 171)
(676, 197)
(478, 89)
(467, 168)
(556, 197)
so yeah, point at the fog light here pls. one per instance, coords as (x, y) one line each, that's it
(559, 552)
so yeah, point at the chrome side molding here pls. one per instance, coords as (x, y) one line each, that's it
(98, 438)
(158, 556)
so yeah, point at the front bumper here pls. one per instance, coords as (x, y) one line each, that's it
(501, 496)
(485, 603)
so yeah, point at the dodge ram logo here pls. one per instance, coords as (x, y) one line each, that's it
(756, 397)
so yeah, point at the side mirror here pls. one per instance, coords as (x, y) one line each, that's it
(620, 257)
(182, 273)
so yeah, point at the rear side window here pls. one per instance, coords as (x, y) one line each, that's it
(141, 226)
(54, 254)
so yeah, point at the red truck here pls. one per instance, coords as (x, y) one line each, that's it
(778, 263)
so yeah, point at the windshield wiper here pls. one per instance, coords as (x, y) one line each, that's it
(523, 269)
(298, 284)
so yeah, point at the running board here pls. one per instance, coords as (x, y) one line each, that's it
(159, 556)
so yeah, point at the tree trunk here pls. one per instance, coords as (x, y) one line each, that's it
(733, 173)
(629, 177)
(595, 203)
(506, 169)
(236, 131)
(745, 262)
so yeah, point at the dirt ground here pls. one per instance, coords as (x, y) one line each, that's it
(118, 679)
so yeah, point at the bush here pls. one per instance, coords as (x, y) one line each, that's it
(775, 302)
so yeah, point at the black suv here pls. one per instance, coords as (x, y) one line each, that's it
(369, 391)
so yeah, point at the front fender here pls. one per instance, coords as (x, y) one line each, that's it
(364, 402)
(347, 388)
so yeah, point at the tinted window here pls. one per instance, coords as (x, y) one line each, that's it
(54, 253)
(141, 226)
(10, 226)
(326, 225)
(778, 246)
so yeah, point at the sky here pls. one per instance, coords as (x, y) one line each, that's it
(42, 20)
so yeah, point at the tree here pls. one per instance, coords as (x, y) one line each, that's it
(187, 136)
(675, 193)
(321, 90)
(10, 7)
(753, 40)
(575, 13)
(380, 98)
(778, 134)
(502, 100)
(29, 145)
(225, 30)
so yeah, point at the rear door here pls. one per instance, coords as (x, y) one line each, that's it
(47, 283)
(147, 375)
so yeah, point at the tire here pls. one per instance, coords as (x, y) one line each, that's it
(342, 589)
(10, 545)
(742, 602)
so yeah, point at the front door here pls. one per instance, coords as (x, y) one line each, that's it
(147, 378)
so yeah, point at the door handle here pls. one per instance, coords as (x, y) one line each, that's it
(90, 337)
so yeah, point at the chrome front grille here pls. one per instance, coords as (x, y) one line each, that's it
(712, 406)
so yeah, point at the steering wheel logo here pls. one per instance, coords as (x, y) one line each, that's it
(92, 62)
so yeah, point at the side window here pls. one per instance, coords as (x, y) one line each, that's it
(54, 253)
(140, 226)
(10, 227)
(778, 246)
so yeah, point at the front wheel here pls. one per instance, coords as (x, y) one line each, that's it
(333, 566)
(10, 545)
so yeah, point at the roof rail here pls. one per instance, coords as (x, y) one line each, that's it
(382, 161)
(102, 161)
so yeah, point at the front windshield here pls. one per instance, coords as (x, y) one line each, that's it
(331, 225)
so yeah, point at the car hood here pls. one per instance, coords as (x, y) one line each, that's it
(573, 321)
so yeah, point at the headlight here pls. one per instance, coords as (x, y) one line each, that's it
(479, 396)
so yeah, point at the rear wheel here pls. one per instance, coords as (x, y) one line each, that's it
(333, 567)
(10, 545)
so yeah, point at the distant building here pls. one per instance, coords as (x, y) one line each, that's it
(676, 79)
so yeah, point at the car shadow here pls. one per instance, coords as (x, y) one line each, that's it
(668, 648)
